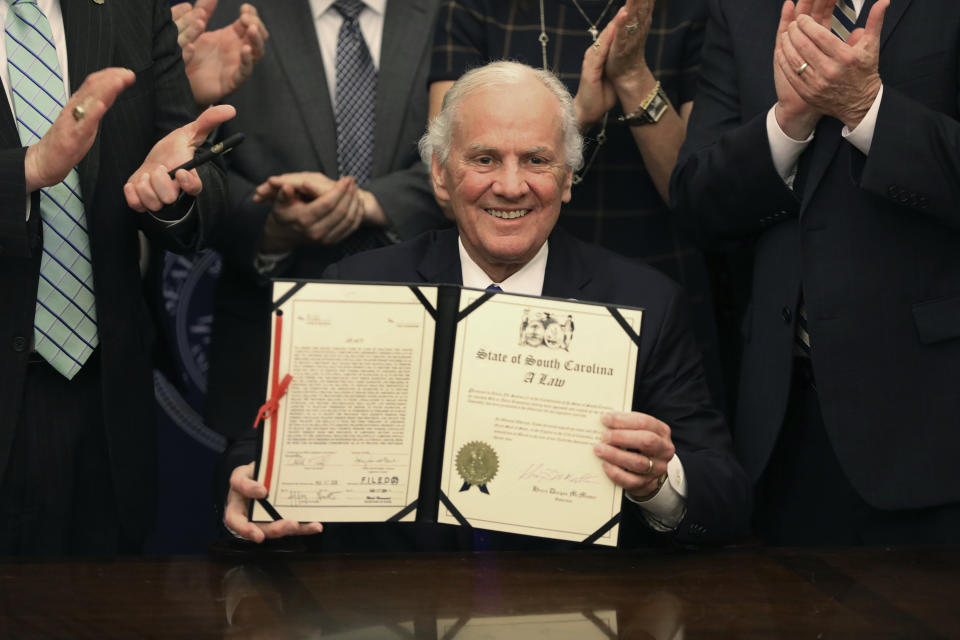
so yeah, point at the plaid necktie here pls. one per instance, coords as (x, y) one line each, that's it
(356, 96)
(65, 323)
(844, 21)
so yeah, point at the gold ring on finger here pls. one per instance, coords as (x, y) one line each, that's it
(78, 112)
(802, 68)
(649, 466)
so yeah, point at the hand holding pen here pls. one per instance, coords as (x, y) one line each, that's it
(151, 188)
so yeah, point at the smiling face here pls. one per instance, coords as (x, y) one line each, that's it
(505, 175)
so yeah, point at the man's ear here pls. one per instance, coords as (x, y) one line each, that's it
(567, 184)
(439, 185)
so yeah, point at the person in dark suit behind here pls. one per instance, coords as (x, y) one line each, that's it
(296, 224)
(502, 151)
(77, 441)
(840, 158)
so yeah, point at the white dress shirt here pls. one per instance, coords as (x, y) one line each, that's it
(666, 508)
(328, 21)
(786, 151)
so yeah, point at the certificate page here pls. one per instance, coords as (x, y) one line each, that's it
(531, 379)
(349, 432)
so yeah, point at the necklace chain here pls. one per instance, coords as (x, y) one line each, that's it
(544, 39)
(594, 32)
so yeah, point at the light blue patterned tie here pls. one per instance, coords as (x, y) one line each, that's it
(65, 324)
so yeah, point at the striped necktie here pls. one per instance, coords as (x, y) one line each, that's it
(65, 323)
(844, 19)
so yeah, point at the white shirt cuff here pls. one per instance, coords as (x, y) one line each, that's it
(862, 135)
(784, 150)
(665, 509)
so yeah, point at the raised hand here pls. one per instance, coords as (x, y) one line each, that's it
(218, 62)
(840, 79)
(150, 188)
(595, 95)
(309, 208)
(68, 140)
(191, 19)
(796, 118)
(630, 27)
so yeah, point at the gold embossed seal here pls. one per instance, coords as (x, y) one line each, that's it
(477, 464)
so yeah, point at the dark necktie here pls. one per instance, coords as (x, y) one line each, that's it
(356, 96)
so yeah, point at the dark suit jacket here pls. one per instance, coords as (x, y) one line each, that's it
(139, 35)
(285, 110)
(670, 380)
(873, 240)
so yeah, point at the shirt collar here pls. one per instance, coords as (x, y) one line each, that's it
(319, 7)
(528, 280)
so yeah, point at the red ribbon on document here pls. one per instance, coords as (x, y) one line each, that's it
(278, 388)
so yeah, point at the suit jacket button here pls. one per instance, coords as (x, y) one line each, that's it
(787, 315)
(19, 344)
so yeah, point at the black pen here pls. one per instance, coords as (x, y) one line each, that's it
(206, 155)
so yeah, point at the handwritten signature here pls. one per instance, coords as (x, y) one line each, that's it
(381, 460)
(540, 471)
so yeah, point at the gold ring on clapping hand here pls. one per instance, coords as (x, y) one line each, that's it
(78, 112)
(802, 68)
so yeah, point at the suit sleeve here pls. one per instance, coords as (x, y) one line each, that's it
(672, 387)
(406, 198)
(725, 184)
(928, 183)
(14, 237)
(174, 106)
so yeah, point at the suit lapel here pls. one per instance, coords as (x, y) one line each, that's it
(9, 137)
(407, 25)
(567, 275)
(87, 27)
(298, 55)
(827, 139)
(441, 262)
(894, 12)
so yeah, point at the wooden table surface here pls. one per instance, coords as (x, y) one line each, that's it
(736, 593)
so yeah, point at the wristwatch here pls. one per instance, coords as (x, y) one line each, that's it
(650, 110)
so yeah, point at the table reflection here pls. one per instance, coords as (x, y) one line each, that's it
(471, 597)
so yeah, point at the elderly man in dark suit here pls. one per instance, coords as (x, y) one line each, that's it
(77, 440)
(502, 152)
(838, 153)
(339, 98)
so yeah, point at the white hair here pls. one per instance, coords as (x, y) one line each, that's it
(437, 139)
